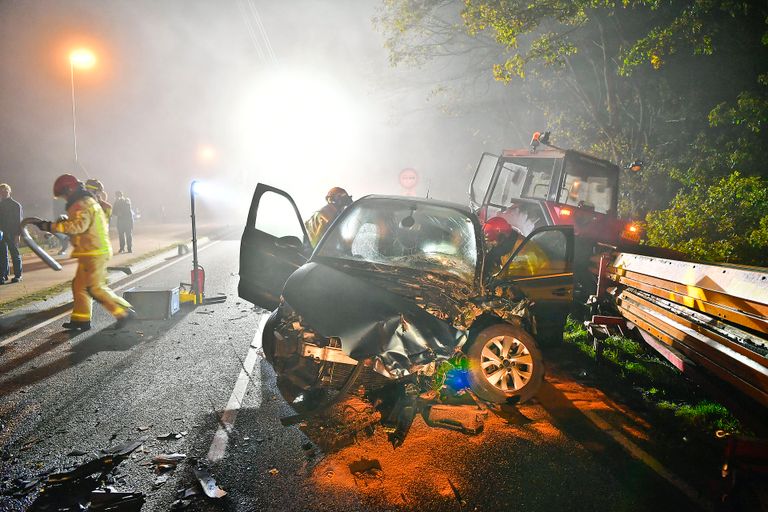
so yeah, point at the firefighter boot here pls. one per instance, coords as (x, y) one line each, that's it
(122, 320)
(74, 325)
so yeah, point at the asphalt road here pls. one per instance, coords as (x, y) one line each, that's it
(61, 393)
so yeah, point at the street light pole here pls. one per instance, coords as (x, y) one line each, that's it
(81, 59)
(74, 116)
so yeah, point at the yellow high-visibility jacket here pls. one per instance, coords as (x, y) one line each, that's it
(87, 228)
(318, 223)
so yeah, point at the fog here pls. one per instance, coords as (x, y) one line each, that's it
(296, 94)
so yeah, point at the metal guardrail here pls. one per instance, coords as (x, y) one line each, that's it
(713, 316)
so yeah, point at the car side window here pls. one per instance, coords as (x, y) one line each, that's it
(544, 253)
(276, 216)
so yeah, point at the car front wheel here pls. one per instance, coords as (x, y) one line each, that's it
(505, 364)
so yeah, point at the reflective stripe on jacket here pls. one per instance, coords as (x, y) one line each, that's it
(87, 228)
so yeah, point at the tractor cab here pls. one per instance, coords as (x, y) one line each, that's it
(549, 186)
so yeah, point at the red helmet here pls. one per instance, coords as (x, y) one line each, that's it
(495, 228)
(64, 184)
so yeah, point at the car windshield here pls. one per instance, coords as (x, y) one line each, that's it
(405, 234)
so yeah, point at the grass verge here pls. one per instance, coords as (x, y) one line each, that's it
(662, 388)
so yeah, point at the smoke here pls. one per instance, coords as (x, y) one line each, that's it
(295, 94)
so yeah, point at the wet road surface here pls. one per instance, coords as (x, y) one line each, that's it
(201, 377)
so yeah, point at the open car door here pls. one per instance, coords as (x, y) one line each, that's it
(542, 268)
(273, 246)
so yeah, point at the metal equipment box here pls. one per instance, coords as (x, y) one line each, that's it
(153, 304)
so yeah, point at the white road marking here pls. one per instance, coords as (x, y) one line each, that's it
(249, 371)
(42, 324)
(643, 456)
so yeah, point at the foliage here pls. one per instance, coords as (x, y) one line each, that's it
(704, 413)
(727, 221)
(679, 85)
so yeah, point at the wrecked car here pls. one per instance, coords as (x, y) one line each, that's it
(397, 288)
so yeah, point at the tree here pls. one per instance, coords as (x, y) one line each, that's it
(727, 221)
(611, 77)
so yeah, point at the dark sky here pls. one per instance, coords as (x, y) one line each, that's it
(175, 75)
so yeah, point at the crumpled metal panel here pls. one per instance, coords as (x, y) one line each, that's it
(371, 322)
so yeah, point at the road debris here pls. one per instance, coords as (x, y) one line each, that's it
(363, 466)
(86, 486)
(208, 484)
(167, 462)
(341, 424)
(273, 471)
(456, 493)
(169, 435)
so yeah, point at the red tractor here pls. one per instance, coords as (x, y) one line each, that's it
(547, 186)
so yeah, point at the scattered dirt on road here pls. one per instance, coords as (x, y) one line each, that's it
(428, 462)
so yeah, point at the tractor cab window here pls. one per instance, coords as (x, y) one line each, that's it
(588, 184)
(521, 177)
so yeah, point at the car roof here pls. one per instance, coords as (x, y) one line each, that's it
(422, 200)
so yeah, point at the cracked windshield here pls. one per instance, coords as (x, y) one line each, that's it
(424, 237)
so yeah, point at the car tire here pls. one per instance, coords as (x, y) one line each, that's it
(505, 364)
(268, 335)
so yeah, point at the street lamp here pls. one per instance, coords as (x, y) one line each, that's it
(80, 59)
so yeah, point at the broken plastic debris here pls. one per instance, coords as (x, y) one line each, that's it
(169, 458)
(208, 484)
(273, 471)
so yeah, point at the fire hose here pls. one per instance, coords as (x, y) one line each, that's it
(41, 253)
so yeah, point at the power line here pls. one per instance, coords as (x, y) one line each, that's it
(263, 32)
(251, 32)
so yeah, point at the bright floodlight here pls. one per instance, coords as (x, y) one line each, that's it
(82, 58)
(305, 122)
(197, 187)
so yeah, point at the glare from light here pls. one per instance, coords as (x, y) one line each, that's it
(199, 188)
(206, 153)
(303, 125)
(82, 58)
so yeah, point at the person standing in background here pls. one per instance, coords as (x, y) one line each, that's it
(10, 225)
(124, 212)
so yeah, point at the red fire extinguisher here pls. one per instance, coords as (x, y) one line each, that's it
(197, 277)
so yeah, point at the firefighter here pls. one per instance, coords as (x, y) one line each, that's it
(337, 199)
(501, 241)
(86, 226)
(96, 188)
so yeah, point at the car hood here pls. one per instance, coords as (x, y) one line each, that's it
(370, 321)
